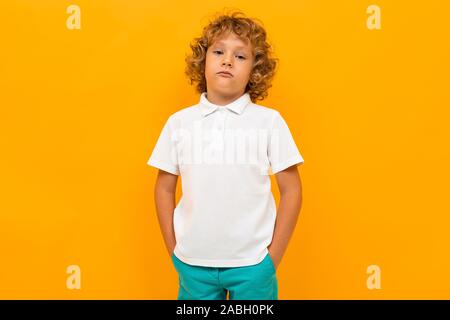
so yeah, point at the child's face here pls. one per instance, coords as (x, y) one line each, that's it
(228, 53)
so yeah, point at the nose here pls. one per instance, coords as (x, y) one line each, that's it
(226, 62)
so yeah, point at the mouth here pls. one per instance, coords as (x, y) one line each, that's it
(225, 74)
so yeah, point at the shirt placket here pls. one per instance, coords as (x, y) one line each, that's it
(219, 126)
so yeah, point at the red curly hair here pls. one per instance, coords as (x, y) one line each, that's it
(263, 69)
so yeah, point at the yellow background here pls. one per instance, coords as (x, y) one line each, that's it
(81, 111)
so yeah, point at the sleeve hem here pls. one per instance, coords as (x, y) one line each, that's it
(163, 166)
(297, 159)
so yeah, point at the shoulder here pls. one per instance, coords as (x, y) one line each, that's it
(261, 109)
(186, 111)
(263, 112)
(184, 115)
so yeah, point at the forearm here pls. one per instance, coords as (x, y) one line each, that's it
(165, 205)
(287, 216)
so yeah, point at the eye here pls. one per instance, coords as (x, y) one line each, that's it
(220, 52)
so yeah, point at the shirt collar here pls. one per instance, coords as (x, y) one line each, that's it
(237, 105)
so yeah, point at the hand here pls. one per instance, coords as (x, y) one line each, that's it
(275, 258)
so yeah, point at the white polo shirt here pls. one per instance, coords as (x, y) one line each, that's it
(224, 154)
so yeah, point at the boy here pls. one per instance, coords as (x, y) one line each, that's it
(224, 235)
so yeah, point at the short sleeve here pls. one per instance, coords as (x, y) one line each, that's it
(164, 155)
(282, 150)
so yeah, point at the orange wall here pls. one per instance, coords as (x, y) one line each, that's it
(81, 111)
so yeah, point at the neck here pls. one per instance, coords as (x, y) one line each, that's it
(221, 100)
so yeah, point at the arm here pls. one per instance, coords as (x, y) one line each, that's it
(289, 184)
(165, 189)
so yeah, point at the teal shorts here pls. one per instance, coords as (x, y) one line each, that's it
(255, 282)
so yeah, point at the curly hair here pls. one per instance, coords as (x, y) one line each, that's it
(264, 65)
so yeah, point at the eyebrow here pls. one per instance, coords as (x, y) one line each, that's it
(238, 47)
